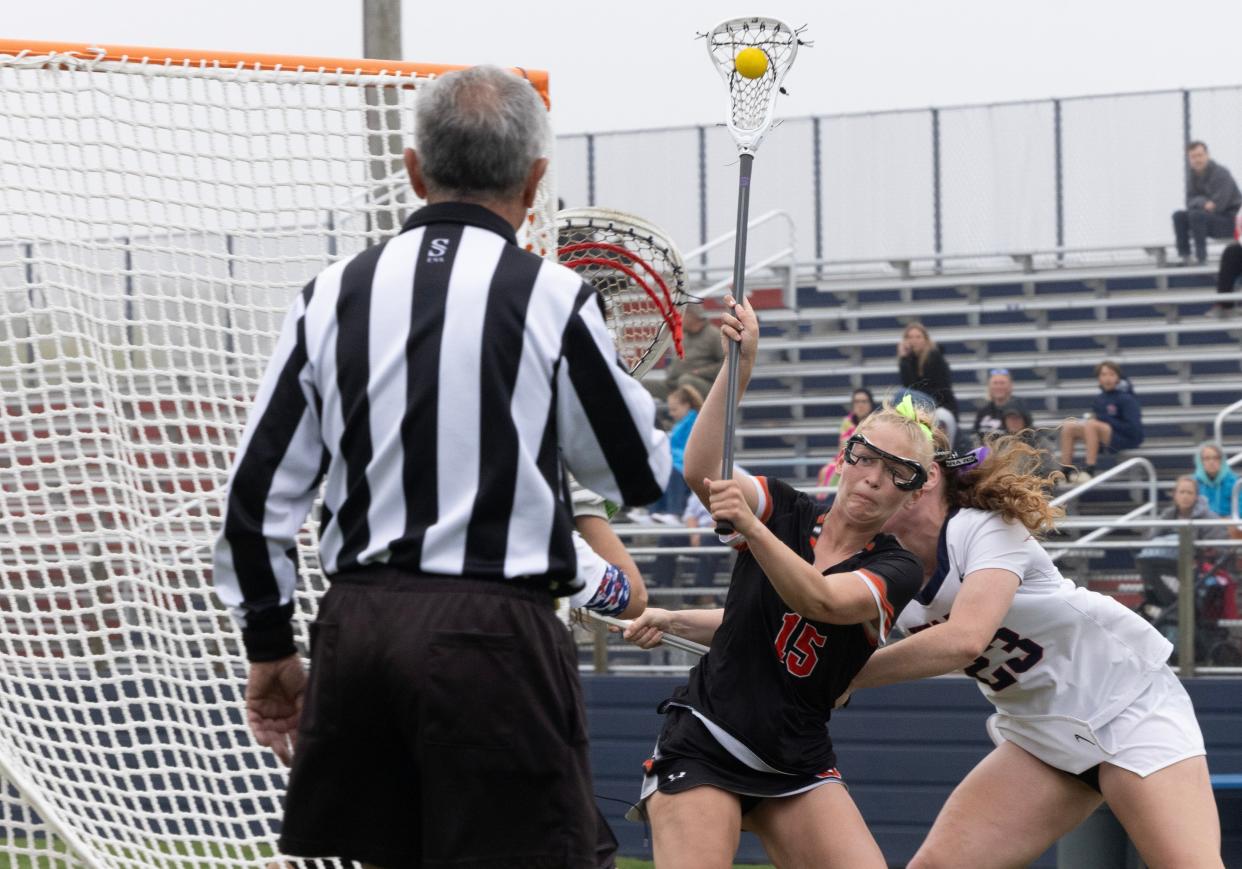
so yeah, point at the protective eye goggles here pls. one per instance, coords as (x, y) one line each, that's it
(908, 475)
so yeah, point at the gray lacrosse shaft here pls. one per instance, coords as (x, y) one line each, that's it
(673, 642)
(745, 159)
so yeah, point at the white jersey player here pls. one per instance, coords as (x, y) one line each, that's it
(1087, 707)
(610, 581)
(1060, 650)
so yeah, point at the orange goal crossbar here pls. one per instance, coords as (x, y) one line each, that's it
(248, 60)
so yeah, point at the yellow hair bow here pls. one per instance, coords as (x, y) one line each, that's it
(905, 407)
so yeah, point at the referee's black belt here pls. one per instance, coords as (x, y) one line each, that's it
(536, 588)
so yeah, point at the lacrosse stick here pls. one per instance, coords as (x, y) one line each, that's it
(639, 274)
(667, 640)
(753, 56)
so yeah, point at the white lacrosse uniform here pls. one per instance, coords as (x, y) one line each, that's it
(1077, 679)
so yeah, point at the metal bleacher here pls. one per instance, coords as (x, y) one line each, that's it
(1047, 317)
(1048, 325)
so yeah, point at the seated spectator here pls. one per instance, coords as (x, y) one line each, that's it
(1160, 586)
(1017, 421)
(1212, 203)
(683, 406)
(1115, 424)
(1000, 394)
(1227, 277)
(923, 367)
(1189, 503)
(862, 402)
(1230, 268)
(703, 354)
(1215, 478)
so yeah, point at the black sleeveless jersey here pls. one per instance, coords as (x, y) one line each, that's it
(771, 676)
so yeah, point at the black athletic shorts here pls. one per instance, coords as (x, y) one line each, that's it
(443, 726)
(688, 756)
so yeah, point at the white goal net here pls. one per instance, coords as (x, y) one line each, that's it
(157, 216)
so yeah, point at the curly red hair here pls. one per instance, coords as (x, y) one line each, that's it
(1007, 482)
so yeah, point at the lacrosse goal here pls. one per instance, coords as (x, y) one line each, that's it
(161, 209)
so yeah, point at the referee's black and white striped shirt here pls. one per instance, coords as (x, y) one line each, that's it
(437, 380)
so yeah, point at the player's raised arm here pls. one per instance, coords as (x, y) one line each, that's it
(704, 451)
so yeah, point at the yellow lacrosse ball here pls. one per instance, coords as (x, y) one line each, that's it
(751, 62)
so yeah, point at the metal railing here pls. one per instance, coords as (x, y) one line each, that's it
(1187, 652)
(1108, 526)
(1218, 428)
(782, 262)
(1218, 435)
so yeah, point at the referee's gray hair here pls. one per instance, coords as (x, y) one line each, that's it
(478, 130)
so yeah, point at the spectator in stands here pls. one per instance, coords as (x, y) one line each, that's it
(989, 420)
(862, 402)
(1215, 478)
(1115, 423)
(703, 355)
(683, 406)
(1189, 503)
(1160, 586)
(922, 366)
(1227, 276)
(1017, 421)
(1230, 268)
(1212, 203)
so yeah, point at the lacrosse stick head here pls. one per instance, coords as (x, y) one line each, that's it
(752, 101)
(638, 273)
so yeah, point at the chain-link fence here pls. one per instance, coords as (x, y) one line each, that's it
(1087, 172)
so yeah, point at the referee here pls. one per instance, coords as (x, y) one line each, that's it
(438, 384)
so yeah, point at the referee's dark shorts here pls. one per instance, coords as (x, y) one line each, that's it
(443, 726)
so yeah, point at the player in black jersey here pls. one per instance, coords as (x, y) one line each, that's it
(744, 743)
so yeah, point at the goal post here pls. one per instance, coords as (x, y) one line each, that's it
(159, 210)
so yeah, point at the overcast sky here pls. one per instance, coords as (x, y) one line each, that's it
(635, 63)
